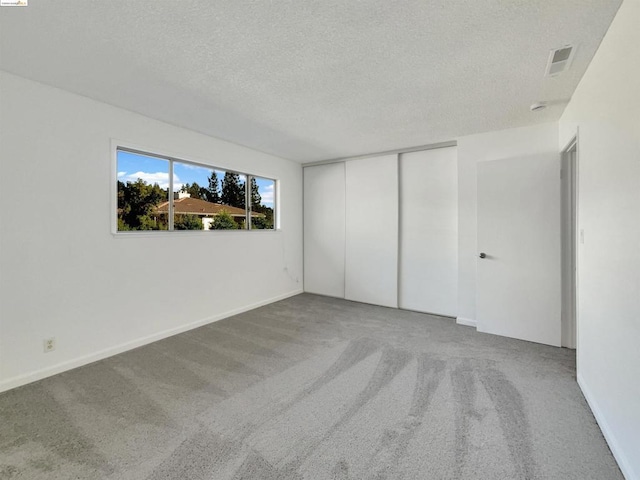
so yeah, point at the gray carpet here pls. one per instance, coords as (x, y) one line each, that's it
(311, 388)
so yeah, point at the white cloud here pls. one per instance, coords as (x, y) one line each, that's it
(188, 166)
(267, 195)
(161, 178)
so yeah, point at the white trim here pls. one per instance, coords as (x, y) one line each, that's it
(111, 351)
(467, 322)
(113, 201)
(577, 245)
(191, 233)
(171, 203)
(614, 446)
(325, 295)
(569, 216)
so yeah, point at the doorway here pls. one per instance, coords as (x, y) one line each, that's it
(569, 169)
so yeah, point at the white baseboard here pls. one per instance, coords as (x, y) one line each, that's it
(614, 446)
(111, 351)
(468, 322)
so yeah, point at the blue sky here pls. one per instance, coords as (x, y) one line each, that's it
(132, 166)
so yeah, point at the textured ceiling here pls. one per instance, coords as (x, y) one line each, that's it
(310, 80)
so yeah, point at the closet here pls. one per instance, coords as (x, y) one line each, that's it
(383, 230)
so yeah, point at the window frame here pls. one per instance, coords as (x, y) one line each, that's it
(117, 146)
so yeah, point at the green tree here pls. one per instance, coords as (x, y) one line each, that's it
(122, 227)
(137, 202)
(232, 190)
(195, 191)
(212, 194)
(224, 221)
(147, 222)
(263, 222)
(256, 199)
(187, 222)
(259, 223)
(268, 212)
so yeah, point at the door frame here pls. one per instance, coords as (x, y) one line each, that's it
(570, 243)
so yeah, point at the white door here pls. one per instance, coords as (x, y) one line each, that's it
(428, 275)
(324, 226)
(519, 280)
(371, 247)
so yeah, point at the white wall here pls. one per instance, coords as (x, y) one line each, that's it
(371, 248)
(67, 276)
(501, 145)
(606, 110)
(324, 229)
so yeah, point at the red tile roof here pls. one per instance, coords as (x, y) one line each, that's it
(195, 206)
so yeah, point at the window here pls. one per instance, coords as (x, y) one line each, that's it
(143, 185)
(163, 193)
(208, 198)
(262, 201)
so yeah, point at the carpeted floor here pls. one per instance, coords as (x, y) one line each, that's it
(311, 388)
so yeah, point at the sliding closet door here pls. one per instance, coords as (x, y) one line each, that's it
(371, 271)
(324, 211)
(428, 275)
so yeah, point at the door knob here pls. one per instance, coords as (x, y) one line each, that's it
(483, 255)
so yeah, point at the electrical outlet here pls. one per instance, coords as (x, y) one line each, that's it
(49, 344)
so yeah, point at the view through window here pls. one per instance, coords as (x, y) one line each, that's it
(262, 193)
(202, 197)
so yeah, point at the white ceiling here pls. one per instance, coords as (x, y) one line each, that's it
(310, 80)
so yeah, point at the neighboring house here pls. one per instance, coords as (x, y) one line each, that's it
(185, 205)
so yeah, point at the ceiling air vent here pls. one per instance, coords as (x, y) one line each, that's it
(559, 60)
